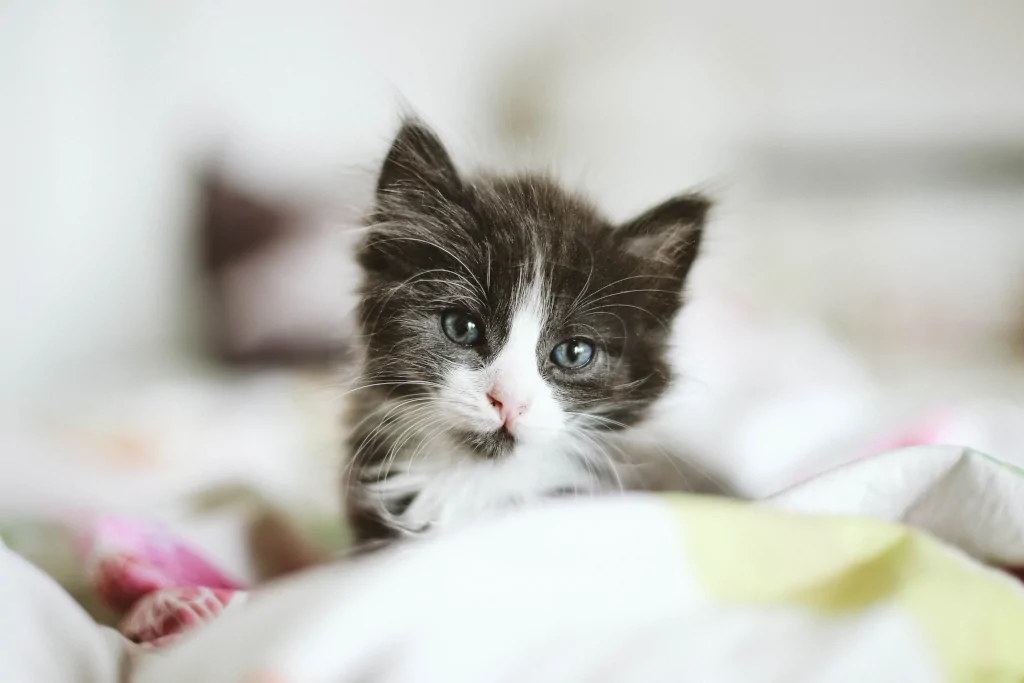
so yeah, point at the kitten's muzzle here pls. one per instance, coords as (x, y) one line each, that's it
(490, 445)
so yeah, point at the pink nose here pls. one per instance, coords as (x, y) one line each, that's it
(508, 409)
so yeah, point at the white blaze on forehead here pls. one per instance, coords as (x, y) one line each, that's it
(514, 369)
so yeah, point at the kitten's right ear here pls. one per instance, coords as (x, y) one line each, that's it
(670, 233)
(417, 168)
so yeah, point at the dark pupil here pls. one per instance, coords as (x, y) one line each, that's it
(463, 327)
(573, 352)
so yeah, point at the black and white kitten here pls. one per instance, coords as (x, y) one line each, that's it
(510, 332)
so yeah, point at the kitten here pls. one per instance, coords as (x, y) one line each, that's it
(510, 332)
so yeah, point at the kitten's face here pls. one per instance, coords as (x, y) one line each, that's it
(511, 312)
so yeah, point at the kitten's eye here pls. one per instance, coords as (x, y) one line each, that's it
(461, 328)
(573, 354)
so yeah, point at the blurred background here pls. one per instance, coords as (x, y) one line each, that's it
(179, 182)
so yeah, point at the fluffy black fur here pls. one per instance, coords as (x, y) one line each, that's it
(438, 241)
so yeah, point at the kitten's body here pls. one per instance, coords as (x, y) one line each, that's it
(512, 336)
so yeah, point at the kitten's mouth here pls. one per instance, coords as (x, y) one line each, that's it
(490, 445)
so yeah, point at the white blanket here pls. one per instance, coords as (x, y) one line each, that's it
(645, 588)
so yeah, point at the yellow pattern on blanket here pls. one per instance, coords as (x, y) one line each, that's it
(972, 617)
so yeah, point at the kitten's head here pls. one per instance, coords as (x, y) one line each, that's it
(512, 309)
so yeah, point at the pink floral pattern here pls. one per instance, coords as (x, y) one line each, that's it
(160, 617)
(161, 586)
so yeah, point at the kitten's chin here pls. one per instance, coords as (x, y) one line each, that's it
(487, 445)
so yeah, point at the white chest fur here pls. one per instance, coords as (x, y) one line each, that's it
(448, 485)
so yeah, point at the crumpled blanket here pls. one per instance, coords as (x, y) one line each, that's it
(164, 588)
(647, 589)
(637, 589)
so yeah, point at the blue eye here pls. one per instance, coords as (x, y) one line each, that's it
(573, 354)
(461, 328)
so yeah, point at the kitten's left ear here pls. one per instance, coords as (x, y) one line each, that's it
(670, 233)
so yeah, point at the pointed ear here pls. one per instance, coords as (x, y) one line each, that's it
(417, 167)
(670, 233)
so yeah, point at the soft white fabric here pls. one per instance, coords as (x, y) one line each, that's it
(620, 590)
(633, 589)
(957, 494)
(45, 637)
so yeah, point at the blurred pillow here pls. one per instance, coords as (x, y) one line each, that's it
(278, 277)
